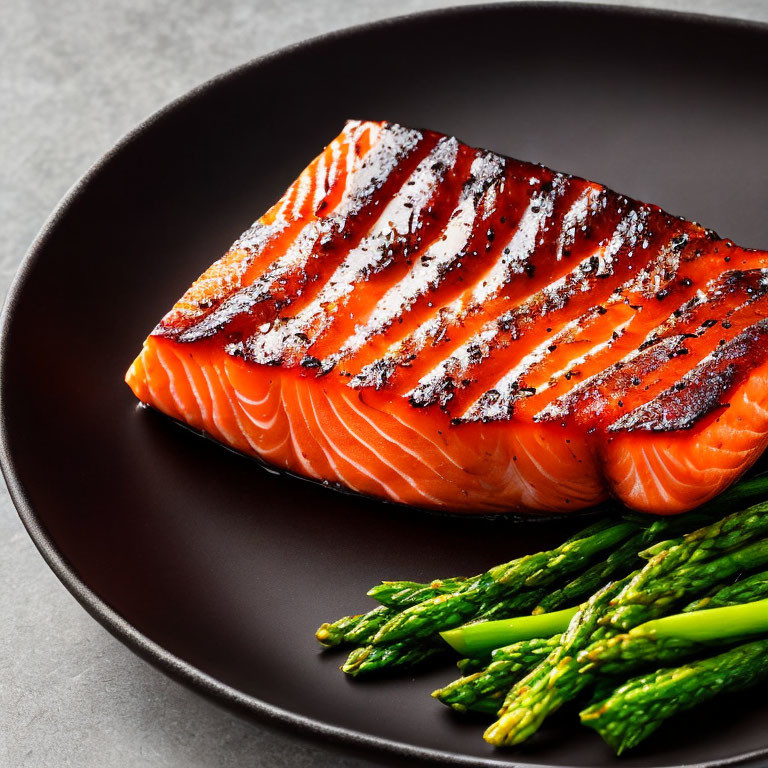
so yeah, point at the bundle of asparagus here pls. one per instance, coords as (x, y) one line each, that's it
(628, 573)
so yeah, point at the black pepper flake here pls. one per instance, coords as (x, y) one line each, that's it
(635, 381)
(709, 323)
(530, 269)
(551, 347)
(726, 324)
(310, 362)
(662, 294)
(601, 310)
(490, 234)
(686, 282)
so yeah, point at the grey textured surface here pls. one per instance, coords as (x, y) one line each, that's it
(74, 77)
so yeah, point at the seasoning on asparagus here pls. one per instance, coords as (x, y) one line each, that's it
(491, 682)
(657, 588)
(637, 708)
(745, 590)
(447, 611)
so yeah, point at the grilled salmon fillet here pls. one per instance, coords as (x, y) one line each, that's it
(437, 325)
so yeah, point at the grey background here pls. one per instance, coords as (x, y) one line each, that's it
(74, 77)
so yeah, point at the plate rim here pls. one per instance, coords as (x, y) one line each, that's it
(150, 651)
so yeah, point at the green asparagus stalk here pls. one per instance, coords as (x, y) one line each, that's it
(404, 653)
(403, 594)
(654, 597)
(638, 708)
(370, 659)
(713, 624)
(707, 543)
(481, 638)
(360, 629)
(490, 684)
(448, 611)
(354, 630)
(539, 693)
(746, 590)
(673, 638)
(695, 567)
(619, 563)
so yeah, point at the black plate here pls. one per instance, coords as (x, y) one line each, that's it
(218, 571)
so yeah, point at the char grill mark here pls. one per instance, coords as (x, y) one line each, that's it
(323, 241)
(667, 353)
(704, 389)
(461, 279)
(592, 341)
(317, 185)
(435, 269)
(504, 348)
(397, 235)
(522, 262)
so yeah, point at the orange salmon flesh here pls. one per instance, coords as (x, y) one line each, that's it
(437, 325)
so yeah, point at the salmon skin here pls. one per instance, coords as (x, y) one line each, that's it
(437, 325)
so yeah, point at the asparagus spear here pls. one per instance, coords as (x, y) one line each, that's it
(757, 485)
(361, 628)
(371, 659)
(619, 563)
(404, 652)
(707, 543)
(447, 611)
(479, 639)
(639, 707)
(403, 594)
(746, 590)
(644, 599)
(674, 638)
(534, 697)
(696, 568)
(353, 630)
(489, 685)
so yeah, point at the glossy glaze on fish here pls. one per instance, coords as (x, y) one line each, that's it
(441, 326)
